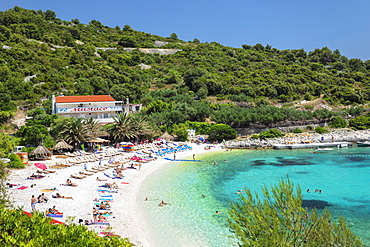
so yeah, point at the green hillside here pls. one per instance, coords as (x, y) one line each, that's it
(41, 55)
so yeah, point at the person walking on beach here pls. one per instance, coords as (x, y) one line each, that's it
(193, 156)
(95, 215)
(33, 203)
(174, 155)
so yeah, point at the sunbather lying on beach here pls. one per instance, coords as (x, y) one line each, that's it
(112, 185)
(101, 218)
(103, 206)
(33, 176)
(69, 183)
(60, 196)
(53, 210)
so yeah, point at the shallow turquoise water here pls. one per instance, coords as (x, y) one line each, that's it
(190, 219)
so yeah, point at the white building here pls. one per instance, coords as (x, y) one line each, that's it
(99, 107)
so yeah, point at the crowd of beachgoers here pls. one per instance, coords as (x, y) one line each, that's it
(97, 189)
(342, 135)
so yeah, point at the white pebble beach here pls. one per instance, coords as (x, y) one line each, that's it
(123, 221)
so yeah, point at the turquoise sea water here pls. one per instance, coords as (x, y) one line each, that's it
(189, 219)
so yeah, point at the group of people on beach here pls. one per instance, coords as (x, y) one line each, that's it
(40, 199)
(99, 216)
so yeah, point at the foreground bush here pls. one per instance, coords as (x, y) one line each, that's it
(280, 220)
(19, 229)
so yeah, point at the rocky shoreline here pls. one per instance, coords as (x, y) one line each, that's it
(343, 135)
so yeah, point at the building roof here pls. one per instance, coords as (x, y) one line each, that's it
(87, 98)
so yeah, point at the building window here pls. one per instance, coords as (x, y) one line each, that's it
(137, 108)
(105, 115)
(81, 105)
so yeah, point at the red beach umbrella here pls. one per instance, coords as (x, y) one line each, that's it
(42, 166)
(135, 158)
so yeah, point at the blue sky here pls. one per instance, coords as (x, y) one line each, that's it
(284, 24)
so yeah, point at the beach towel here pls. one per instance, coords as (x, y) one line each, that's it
(100, 223)
(55, 215)
(106, 195)
(110, 176)
(49, 190)
(105, 199)
(22, 187)
(124, 183)
(103, 190)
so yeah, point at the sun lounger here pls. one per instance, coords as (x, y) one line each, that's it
(86, 173)
(78, 176)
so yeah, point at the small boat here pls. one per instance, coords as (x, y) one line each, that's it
(324, 149)
(363, 144)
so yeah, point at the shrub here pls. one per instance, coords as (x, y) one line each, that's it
(309, 107)
(15, 161)
(278, 219)
(321, 130)
(219, 132)
(309, 127)
(17, 228)
(360, 123)
(271, 133)
(297, 130)
(338, 122)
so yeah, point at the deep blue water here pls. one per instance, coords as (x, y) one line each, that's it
(190, 220)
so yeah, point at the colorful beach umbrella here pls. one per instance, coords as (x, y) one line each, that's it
(42, 166)
(135, 158)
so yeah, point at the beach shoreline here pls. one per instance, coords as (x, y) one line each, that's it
(124, 220)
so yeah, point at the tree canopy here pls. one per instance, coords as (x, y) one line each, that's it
(276, 217)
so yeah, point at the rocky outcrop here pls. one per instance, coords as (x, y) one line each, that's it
(144, 66)
(144, 50)
(343, 135)
(154, 50)
(160, 43)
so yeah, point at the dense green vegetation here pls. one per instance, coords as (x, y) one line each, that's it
(20, 229)
(276, 217)
(42, 55)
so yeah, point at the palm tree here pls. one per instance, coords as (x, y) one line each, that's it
(142, 128)
(95, 129)
(75, 131)
(122, 128)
